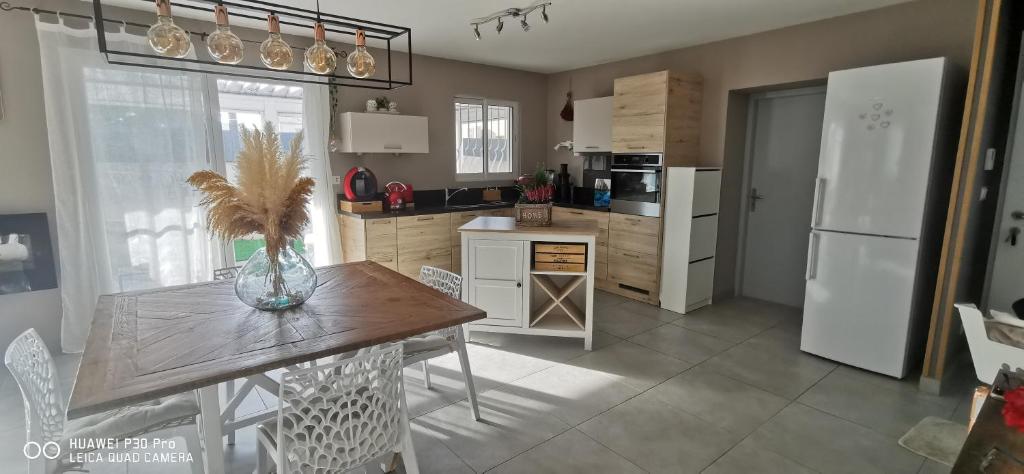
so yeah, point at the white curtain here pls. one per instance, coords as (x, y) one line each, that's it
(122, 142)
(316, 112)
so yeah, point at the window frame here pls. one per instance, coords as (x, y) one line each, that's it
(487, 175)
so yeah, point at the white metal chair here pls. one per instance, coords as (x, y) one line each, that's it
(339, 416)
(443, 341)
(46, 413)
(989, 356)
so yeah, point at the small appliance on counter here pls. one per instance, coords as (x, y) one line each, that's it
(359, 188)
(491, 195)
(563, 184)
(398, 195)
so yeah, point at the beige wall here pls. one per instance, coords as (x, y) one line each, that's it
(25, 183)
(796, 54)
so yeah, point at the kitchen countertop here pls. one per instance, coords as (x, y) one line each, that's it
(508, 225)
(462, 208)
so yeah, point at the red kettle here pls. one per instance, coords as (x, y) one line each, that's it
(398, 194)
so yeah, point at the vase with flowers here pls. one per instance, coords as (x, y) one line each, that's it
(535, 193)
(271, 199)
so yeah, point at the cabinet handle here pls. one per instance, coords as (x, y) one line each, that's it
(591, 147)
(578, 213)
(519, 284)
(392, 147)
(425, 218)
(630, 255)
(636, 147)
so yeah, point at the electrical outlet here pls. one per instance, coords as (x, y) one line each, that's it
(337, 180)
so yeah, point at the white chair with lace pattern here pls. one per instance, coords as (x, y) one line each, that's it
(46, 413)
(443, 341)
(339, 416)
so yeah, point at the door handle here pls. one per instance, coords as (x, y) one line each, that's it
(1012, 238)
(519, 284)
(819, 196)
(754, 197)
(812, 257)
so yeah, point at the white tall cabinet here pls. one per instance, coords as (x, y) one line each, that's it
(592, 125)
(691, 233)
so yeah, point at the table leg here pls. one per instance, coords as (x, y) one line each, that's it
(209, 406)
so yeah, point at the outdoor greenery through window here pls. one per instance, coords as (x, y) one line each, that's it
(485, 152)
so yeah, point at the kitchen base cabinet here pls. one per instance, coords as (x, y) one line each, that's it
(503, 275)
(424, 240)
(563, 214)
(634, 257)
(369, 239)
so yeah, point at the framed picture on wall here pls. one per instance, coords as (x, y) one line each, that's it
(26, 255)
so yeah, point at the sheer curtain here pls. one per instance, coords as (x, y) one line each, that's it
(122, 142)
(316, 112)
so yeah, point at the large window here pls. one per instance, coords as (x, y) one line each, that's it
(251, 104)
(485, 139)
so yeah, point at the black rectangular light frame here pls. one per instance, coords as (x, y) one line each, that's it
(258, 10)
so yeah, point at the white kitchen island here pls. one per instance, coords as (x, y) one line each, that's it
(530, 280)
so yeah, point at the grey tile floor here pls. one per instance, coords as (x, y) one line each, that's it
(724, 389)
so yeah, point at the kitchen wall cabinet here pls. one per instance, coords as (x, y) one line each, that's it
(561, 214)
(496, 269)
(592, 125)
(383, 133)
(691, 233)
(658, 112)
(424, 240)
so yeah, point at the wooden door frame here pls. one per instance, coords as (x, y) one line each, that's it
(753, 100)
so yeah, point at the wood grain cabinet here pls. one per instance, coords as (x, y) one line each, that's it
(634, 256)
(592, 126)
(658, 112)
(561, 214)
(424, 240)
(369, 239)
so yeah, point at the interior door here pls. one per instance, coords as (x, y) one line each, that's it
(1006, 284)
(496, 280)
(876, 148)
(783, 159)
(858, 302)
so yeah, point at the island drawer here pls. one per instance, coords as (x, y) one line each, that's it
(559, 248)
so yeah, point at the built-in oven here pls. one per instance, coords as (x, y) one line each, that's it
(636, 184)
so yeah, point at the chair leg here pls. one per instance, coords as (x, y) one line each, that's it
(407, 450)
(229, 386)
(262, 463)
(460, 343)
(426, 375)
(195, 448)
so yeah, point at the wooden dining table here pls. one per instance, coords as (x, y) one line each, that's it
(154, 343)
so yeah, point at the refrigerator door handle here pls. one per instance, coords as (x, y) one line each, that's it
(812, 257)
(819, 195)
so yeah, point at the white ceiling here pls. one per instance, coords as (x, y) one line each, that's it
(581, 32)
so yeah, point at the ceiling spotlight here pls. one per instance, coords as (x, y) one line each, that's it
(514, 13)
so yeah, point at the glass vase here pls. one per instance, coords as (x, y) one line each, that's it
(274, 285)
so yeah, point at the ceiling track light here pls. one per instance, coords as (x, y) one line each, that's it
(519, 13)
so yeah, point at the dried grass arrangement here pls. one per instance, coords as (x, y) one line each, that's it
(271, 196)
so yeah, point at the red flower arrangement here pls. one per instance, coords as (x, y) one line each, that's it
(537, 189)
(1013, 410)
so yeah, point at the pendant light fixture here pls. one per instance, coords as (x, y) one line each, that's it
(166, 38)
(360, 63)
(274, 51)
(320, 58)
(224, 46)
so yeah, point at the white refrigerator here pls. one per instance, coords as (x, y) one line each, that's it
(881, 173)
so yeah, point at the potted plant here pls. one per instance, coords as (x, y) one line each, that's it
(535, 193)
(271, 199)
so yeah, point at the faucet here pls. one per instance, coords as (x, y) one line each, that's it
(448, 195)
